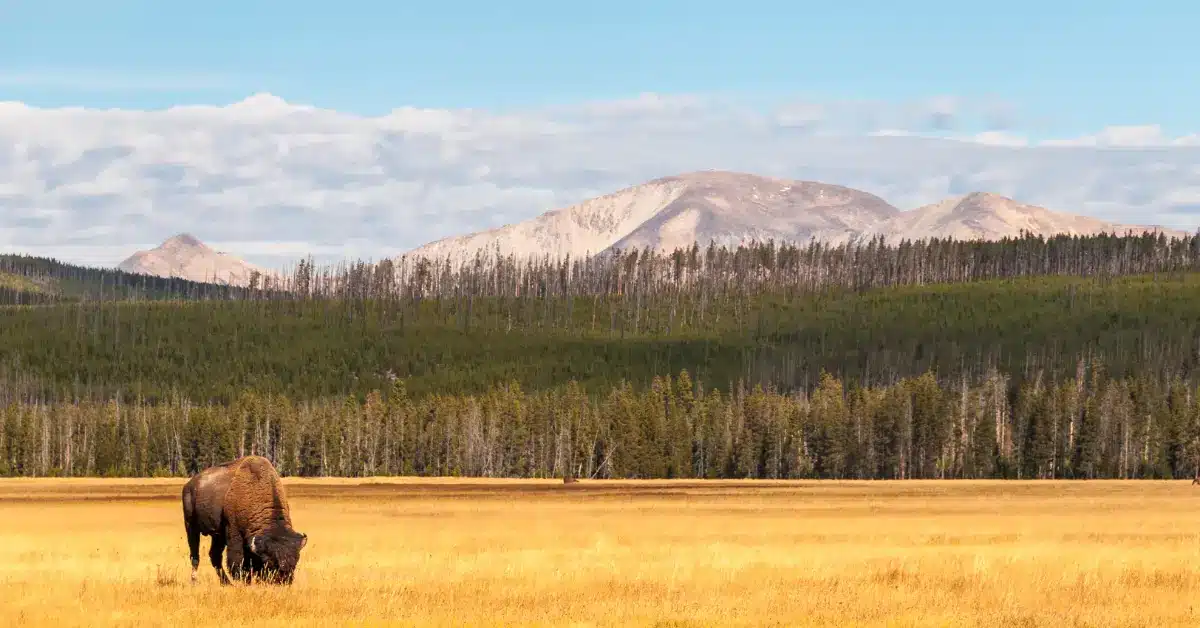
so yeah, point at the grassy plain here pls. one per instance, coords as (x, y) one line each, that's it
(479, 552)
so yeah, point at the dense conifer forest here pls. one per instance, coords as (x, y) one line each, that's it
(1032, 357)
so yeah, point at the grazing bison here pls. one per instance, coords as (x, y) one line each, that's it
(242, 505)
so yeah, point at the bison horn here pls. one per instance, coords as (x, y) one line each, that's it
(254, 544)
(303, 539)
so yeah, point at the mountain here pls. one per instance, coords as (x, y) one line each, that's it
(186, 257)
(731, 208)
(987, 216)
(676, 211)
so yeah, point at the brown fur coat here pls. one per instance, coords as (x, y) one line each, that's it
(242, 505)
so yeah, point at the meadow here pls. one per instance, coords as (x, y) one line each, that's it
(614, 553)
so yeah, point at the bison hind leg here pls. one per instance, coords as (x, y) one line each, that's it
(214, 554)
(193, 537)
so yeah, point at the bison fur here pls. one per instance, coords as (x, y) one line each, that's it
(242, 506)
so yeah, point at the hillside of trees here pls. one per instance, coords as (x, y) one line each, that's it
(210, 351)
(27, 280)
(931, 345)
(767, 314)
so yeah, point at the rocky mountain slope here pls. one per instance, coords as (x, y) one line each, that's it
(186, 257)
(676, 211)
(987, 216)
(731, 208)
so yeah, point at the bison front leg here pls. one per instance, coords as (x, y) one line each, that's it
(214, 554)
(255, 568)
(248, 566)
(235, 557)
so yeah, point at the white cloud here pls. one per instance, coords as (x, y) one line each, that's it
(269, 180)
(1000, 138)
(1131, 136)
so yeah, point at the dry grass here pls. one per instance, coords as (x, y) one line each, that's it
(103, 552)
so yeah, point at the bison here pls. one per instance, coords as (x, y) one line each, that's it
(241, 504)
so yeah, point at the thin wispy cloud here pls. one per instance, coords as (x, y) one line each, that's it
(268, 180)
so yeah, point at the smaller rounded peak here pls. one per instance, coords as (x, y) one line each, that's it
(982, 201)
(183, 240)
(985, 197)
(722, 175)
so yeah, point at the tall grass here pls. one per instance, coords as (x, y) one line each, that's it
(456, 552)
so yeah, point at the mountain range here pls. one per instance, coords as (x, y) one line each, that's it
(728, 208)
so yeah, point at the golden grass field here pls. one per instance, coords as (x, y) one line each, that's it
(476, 552)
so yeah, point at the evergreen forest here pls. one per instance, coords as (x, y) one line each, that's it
(1031, 357)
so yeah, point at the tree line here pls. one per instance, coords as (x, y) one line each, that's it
(47, 280)
(1090, 425)
(713, 270)
(750, 268)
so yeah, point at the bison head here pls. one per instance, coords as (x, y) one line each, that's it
(279, 551)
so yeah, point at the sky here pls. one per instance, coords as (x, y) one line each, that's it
(390, 80)
(1073, 66)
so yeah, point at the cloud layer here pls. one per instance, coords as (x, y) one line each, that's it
(271, 181)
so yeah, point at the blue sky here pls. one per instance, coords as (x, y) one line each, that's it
(93, 186)
(1067, 66)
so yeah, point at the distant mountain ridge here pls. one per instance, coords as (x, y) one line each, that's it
(988, 216)
(186, 257)
(731, 208)
(728, 208)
